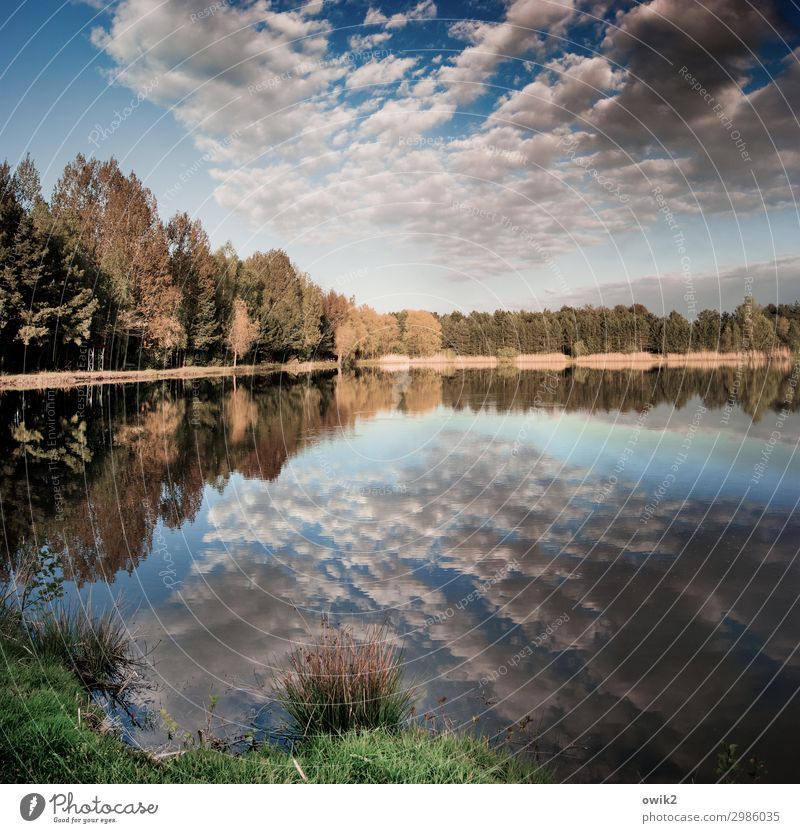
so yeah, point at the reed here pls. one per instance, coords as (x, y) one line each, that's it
(97, 649)
(340, 684)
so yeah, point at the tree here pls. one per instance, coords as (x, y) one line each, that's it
(707, 330)
(335, 309)
(346, 341)
(311, 332)
(274, 292)
(98, 267)
(243, 332)
(114, 220)
(44, 303)
(672, 334)
(366, 334)
(422, 334)
(194, 272)
(758, 332)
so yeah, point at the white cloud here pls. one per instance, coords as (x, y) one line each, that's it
(424, 10)
(359, 43)
(522, 33)
(384, 71)
(328, 147)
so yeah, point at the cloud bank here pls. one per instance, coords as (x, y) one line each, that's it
(567, 118)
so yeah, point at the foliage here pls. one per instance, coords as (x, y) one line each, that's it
(507, 354)
(586, 330)
(243, 332)
(97, 649)
(729, 769)
(95, 278)
(422, 333)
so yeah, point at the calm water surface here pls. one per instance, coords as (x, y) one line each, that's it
(604, 564)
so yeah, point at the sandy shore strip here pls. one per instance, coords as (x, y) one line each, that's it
(70, 379)
(615, 361)
(440, 362)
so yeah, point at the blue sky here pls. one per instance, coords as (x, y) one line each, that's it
(443, 155)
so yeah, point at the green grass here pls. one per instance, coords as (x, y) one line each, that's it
(42, 740)
(411, 756)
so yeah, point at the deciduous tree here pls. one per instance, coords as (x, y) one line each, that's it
(243, 331)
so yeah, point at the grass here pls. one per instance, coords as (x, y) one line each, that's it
(49, 733)
(339, 684)
(98, 650)
(411, 756)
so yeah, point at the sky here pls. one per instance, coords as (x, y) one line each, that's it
(442, 155)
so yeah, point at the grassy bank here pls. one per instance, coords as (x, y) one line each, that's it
(50, 733)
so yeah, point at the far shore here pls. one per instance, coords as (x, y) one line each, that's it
(536, 361)
(614, 361)
(80, 378)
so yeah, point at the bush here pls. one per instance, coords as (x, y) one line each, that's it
(579, 349)
(507, 354)
(338, 684)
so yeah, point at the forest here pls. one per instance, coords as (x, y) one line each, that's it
(94, 279)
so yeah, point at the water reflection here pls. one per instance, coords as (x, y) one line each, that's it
(610, 553)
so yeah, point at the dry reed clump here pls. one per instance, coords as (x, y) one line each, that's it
(339, 684)
(444, 360)
(537, 359)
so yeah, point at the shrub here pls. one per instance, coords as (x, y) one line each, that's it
(338, 684)
(579, 349)
(508, 354)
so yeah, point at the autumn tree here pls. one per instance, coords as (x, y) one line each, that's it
(97, 268)
(114, 218)
(243, 331)
(422, 334)
(335, 309)
(346, 341)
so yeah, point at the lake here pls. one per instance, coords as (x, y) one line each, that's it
(599, 568)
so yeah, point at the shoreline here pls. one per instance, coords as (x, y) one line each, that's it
(65, 379)
(611, 361)
(84, 747)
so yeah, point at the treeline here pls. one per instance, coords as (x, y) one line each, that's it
(94, 279)
(621, 329)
